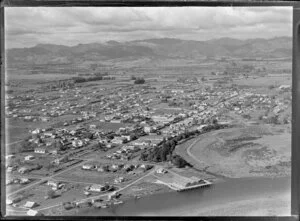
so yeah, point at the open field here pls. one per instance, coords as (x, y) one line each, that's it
(241, 152)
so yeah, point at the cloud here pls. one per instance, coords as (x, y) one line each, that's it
(26, 27)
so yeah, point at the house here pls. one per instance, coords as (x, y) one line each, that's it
(23, 170)
(9, 201)
(128, 167)
(127, 137)
(115, 167)
(32, 212)
(77, 143)
(148, 129)
(40, 150)
(104, 168)
(117, 140)
(161, 171)
(48, 134)
(284, 87)
(88, 167)
(11, 156)
(141, 143)
(52, 183)
(24, 180)
(10, 169)
(119, 180)
(28, 157)
(36, 131)
(60, 160)
(97, 188)
(53, 151)
(30, 204)
(146, 166)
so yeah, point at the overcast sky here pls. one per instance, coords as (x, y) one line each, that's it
(26, 27)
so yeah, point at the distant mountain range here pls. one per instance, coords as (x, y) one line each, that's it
(163, 48)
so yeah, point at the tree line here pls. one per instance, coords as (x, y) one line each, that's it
(164, 151)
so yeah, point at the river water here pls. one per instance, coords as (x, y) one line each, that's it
(180, 203)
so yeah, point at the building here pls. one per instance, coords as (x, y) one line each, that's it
(117, 140)
(23, 170)
(162, 119)
(60, 160)
(53, 151)
(52, 183)
(127, 137)
(161, 170)
(77, 143)
(28, 157)
(24, 180)
(148, 129)
(97, 188)
(88, 166)
(119, 180)
(284, 87)
(30, 204)
(40, 150)
(32, 212)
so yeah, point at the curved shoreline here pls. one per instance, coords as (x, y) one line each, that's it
(216, 201)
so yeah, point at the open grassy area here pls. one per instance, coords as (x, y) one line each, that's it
(241, 152)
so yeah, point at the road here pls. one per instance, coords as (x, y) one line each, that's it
(18, 141)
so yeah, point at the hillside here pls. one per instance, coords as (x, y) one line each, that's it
(164, 48)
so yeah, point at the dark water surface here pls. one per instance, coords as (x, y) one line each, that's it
(174, 203)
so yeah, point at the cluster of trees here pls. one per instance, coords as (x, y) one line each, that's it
(139, 81)
(94, 78)
(164, 151)
(27, 146)
(52, 194)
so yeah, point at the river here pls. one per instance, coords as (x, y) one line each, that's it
(186, 203)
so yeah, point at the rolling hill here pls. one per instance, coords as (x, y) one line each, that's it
(163, 48)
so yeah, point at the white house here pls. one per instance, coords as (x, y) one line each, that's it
(28, 157)
(30, 204)
(96, 188)
(32, 212)
(40, 150)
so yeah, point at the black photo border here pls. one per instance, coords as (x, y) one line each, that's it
(295, 176)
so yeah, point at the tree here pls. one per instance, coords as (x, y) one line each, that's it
(139, 81)
(214, 121)
(179, 161)
(271, 87)
(51, 194)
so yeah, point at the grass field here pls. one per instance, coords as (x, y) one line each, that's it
(241, 152)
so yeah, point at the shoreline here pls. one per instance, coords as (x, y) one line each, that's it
(264, 204)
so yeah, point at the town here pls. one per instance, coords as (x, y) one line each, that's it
(91, 143)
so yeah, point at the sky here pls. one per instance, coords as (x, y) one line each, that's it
(29, 26)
